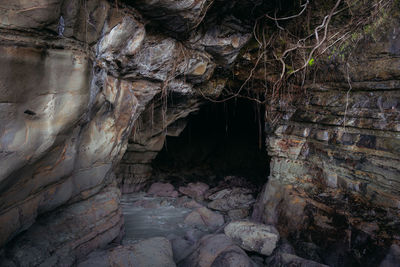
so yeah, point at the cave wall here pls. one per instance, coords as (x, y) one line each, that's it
(335, 168)
(84, 81)
(158, 121)
(76, 77)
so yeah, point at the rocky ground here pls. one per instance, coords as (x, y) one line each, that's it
(195, 225)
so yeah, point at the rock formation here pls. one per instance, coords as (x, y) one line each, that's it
(89, 90)
(78, 76)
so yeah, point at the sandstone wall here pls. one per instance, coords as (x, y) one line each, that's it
(75, 78)
(335, 168)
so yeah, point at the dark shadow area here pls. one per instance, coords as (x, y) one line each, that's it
(222, 139)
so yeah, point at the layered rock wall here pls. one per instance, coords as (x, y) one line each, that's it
(76, 77)
(64, 123)
(335, 169)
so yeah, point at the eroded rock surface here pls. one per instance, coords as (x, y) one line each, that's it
(82, 82)
(194, 190)
(155, 252)
(79, 75)
(253, 236)
(162, 190)
(205, 217)
(70, 233)
(216, 250)
(335, 158)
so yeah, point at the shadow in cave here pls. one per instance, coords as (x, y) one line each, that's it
(221, 139)
(223, 146)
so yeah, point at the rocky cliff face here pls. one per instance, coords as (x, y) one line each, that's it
(76, 77)
(335, 172)
(82, 82)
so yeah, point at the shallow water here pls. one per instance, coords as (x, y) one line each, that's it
(157, 218)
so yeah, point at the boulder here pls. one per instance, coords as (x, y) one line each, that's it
(204, 217)
(192, 205)
(216, 250)
(194, 190)
(155, 252)
(251, 236)
(162, 190)
(229, 199)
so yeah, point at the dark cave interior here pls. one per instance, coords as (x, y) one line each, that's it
(221, 139)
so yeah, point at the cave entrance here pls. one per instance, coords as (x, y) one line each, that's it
(221, 139)
(205, 176)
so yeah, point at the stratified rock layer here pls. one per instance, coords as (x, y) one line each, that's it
(78, 76)
(335, 168)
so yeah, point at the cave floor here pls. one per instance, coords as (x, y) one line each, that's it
(147, 217)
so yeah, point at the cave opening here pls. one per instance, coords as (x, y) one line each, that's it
(220, 140)
(209, 172)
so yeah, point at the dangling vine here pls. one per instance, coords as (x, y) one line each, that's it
(287, 46)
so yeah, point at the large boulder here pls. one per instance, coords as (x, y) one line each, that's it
(229, 199)
(194, 190)
(155, 252)
(255, 237)
(162, 190)
(216, 250)
(205, 218)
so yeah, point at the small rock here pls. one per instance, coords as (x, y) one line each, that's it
(162, 190)
(188, 203)
(204, 217)
(251, 236)
(285, 259)
(192, 205)
(220, 194)
(392, 259)
(194, 190)
(237, 198)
